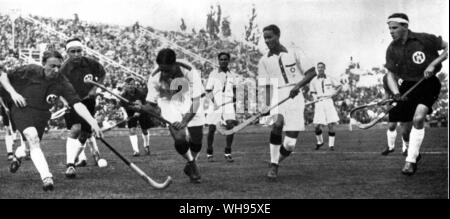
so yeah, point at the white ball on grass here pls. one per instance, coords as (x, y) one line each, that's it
(102, 163)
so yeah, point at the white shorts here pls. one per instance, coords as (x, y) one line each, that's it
(173, 111)
(292, 110)
(325, 112)
(224, 113)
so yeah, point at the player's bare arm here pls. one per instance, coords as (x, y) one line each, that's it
(16, 97)
(309, 75)
(429, 71)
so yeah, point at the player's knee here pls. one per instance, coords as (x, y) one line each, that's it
(418, 121)
(288, 146)
(318, 130)
(195, 146)
(75, 130)
(275, 138)
(133, 131)
(230, 124)
(32, 136)
(181, 146)
(145, 131)
(277, 127)
(392, 126)
(196, 134)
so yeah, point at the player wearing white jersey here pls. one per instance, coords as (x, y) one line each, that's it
(176, 88)
(221, 85)
(323, 87)
(278, 68)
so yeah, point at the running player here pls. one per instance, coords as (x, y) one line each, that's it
(282, 67)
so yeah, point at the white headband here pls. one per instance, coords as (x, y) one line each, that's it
(74, 44)
(398, 20)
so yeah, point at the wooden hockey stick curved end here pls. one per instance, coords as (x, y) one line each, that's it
(163, 185)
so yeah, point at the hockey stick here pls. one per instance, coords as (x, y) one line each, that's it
(222, 130)
(117, 124)
(125, 100)
(383, 114)
(59, 113)
(249, 120)
(136, 169)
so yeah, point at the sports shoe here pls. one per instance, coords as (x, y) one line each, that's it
(228, 158)
(319, 145)
(10, 156)
(136, 154)
(387, 151)
(273, 172)
(210, 157)
(331, 148)
(147, 150)
(70, 172)
(47, 184)
(191, 170)
(15, 164)
(409, 168)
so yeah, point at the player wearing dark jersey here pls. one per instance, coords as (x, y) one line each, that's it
(33, 89)
(77, 69)
(134, 93)
(412, 56)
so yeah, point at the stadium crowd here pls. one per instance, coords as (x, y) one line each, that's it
(135, 49)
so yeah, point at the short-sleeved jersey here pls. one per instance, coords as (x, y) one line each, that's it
(222, 83)
(323, 86)
(181, 89)
(30, 82)
(284, 68)
(79, 69)
(408, 61)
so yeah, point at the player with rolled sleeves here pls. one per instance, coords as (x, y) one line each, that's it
(412, 56)
(33, 89)
(77, 69)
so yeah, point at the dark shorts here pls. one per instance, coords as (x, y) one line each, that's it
(30, 117)
(145, 121)
(73, 118)
(426, 93)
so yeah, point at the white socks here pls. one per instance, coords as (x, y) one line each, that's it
(405, 145)
(72, 148)
(274, 153)
(134, 143)
(39, 161)
(9, 141)
(391, 136)
(415, 141)
(331, 141)
(319, 139)
(21, 152)
(146, 139)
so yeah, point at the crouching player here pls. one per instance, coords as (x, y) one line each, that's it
(176, 88)
(134, 93)
(33, 89)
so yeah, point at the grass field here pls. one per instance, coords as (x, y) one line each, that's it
(355, 170)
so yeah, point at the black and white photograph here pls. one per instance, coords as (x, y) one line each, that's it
(245, 100)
